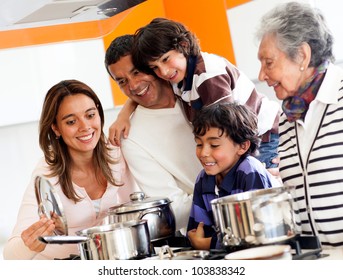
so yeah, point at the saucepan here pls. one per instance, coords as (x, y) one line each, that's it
(119, 241)
(258, 217)
(156, 210)
(124, 240)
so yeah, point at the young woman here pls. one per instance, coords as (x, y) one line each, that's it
(87, 174)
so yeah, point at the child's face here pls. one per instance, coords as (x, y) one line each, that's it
(171, 66)
(218, 153)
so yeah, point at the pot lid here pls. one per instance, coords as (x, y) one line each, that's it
(50, 205)
(139, 201)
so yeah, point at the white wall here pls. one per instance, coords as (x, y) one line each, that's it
(19, 153)
(26, 74)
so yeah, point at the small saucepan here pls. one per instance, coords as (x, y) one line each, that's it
(119, 241)
(116, 241)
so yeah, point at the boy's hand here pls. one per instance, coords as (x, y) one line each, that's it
(198, 239)
(120, 128)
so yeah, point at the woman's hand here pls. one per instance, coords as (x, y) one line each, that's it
(30, 236)
(198, 239)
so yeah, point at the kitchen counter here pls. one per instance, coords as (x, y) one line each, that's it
(308, 248)
(332, 254)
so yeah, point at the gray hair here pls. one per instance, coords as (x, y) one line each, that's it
(296, 23)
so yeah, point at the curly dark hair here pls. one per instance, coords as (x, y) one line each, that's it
(236, 121)
(160, 36)
(119, 47)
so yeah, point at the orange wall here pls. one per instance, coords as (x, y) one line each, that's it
(233, 3)
(139, 16)
(207, 19)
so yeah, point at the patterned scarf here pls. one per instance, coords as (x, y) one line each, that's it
(295, 107)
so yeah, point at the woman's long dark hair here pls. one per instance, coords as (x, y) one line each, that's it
(56, 151)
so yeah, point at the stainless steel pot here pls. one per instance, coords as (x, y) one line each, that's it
(119, 241)
(255, 217)
(126, 240)
(157, 211)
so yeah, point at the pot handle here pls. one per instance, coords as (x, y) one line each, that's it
(62, 239)
(156, 210)
(166, 249)
(230, 239)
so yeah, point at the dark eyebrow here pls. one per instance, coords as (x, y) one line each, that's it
(131, 71)
(213, 138)
(70, 115)
(209, 138)
(91, 109)
(118, 78)
(67, 116)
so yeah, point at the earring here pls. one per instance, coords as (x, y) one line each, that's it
(57, 137)
(302, 68)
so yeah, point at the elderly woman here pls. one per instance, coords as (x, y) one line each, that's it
(296, 60)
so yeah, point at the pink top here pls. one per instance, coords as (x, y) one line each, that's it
(79, 216)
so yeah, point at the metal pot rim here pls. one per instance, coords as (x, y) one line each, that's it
(251, 195)
(138, 202)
